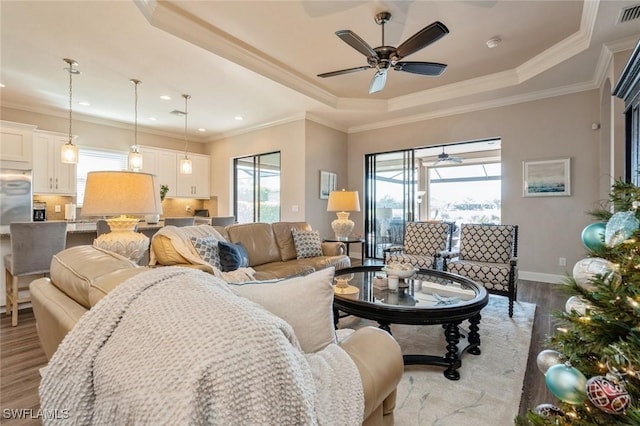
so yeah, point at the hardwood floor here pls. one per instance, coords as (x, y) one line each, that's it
(21, 356)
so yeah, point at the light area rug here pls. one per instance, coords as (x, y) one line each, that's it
(490, 385)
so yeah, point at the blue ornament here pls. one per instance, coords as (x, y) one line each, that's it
(566, 383)
(593, 236)
(620, 227)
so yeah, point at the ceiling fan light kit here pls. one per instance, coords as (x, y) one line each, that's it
(384, 57)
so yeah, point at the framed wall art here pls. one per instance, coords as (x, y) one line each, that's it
(546, 178)
(328, 181)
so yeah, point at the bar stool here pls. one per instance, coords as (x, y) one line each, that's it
(33, 244)
(179, 221)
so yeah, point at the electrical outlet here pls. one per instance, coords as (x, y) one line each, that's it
(58, 208)
(188, 208)
(562, 261)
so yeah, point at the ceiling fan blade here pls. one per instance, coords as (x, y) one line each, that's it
(353, 40)
(346, 71)
(423, 68)
(378, 82)
(422, 38)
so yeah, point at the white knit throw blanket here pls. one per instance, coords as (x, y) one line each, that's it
(175, 346)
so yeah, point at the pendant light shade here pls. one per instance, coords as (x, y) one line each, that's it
(135, 158)
(186, 168)
(69, 152)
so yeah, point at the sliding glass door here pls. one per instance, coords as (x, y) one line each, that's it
(257, 188)
(390, 198)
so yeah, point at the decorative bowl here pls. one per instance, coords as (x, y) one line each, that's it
(400, 272)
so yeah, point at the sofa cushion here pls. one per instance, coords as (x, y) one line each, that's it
(306, 303)
(207, 248)
(308, 243)
(258, 240)
(232, 256)
(75, 270)
(283, 233)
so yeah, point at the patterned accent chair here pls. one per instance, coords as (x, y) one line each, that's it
(488, 256)
(424, 244)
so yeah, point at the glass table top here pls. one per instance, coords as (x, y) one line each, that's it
(426, 289)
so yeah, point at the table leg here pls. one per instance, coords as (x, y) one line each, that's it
(474, 336)
(384, 326)
(452, 336)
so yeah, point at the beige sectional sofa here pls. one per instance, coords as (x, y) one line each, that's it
(81, 276)
(270, 248)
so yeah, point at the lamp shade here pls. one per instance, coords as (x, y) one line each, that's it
(110, 193)
(343, 201)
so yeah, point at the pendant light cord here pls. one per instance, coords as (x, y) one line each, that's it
(186, 113)
(136, 149)
(70, 100)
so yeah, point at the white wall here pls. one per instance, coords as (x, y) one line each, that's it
(287, 138)
(557, 127)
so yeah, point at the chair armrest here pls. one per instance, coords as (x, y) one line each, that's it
(449, 254)
(394, 249)
(333, 248)
(379, 360)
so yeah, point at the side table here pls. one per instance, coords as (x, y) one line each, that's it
(348, 242)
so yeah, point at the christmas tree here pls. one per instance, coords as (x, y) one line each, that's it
(593, 362)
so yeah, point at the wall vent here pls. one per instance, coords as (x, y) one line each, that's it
(629, 14)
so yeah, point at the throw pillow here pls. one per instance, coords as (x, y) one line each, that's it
(207, 248)
(308, 243)
(232, 256)
(306, 303)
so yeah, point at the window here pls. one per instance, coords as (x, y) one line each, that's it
(92, 160)
(257, 188)
(465, 193)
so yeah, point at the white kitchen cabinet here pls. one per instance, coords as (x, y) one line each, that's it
(50, 174)
(195, 185)
(162, 163)
(16, 144)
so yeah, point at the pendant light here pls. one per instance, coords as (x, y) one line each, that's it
(186, 168)
(135, 158)
(69, 152)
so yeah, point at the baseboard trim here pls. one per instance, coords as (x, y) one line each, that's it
(542, 277)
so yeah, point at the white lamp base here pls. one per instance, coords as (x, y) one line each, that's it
(342, 226)
(123, 240)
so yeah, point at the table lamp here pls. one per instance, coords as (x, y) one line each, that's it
(119, 194)
(343, 202)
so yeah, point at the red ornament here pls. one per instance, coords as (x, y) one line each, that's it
(607, 395)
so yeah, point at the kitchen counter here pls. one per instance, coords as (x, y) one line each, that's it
(88, 228)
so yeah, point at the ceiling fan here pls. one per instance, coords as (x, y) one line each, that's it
(444, 157)
(384, 57)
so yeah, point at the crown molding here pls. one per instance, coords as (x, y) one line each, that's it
(312, 117)
(78, 116)
(479, 106)
(274, 123)
(627, 43)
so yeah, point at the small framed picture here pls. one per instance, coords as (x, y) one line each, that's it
(546, 178)
(328, 181)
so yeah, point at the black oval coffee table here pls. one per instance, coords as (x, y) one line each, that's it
(427, 298)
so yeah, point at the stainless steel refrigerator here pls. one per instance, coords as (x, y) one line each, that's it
(16, 196)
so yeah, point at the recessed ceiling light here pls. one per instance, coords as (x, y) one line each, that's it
(84, 103)
(152, 118)
(239, 117)
(165, 97)
(202, 130)
(2, 85)
(493, 42)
